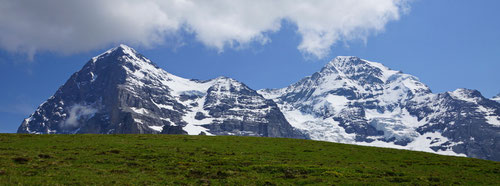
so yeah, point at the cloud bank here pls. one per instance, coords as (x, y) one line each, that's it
(28, 26)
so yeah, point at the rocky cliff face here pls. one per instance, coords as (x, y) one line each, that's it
(352, 100)
(121, 91)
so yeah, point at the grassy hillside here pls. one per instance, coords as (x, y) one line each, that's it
(194, 160)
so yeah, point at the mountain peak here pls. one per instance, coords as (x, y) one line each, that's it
(469, 95)
(124, 60)
(223, 78)
(349, 58)
(121, 50)
(465, 91)
(226, 81)
(340, 61)
(124, 46)
(126, 49)
(354, 67)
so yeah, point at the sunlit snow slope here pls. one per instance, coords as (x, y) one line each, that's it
(356, 101)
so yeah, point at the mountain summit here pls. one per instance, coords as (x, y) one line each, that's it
(350, 100)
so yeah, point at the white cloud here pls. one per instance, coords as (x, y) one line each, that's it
(29, 26)
(75, 113)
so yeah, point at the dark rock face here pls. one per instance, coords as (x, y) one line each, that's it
(469, 124)
(239, 110)
(167, 129)
(360, 102)
(121, 91)
(99, 99)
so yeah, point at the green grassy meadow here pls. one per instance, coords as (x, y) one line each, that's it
(224, 160)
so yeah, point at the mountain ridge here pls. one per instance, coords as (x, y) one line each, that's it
(350, 100)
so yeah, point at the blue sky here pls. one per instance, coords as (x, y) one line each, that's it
(448, 44)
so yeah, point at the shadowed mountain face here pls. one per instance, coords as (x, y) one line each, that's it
(121, 91)
(350, 100)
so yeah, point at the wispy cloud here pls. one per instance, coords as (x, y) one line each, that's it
(67, 27)
(75, 113)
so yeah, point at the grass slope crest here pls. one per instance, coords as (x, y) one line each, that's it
(90, 159)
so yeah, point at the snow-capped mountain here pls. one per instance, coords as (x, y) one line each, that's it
(350, 100)
(356, 101)
(121, 91)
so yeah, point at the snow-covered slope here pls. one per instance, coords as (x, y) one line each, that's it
(121, 91)
(356, 101)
